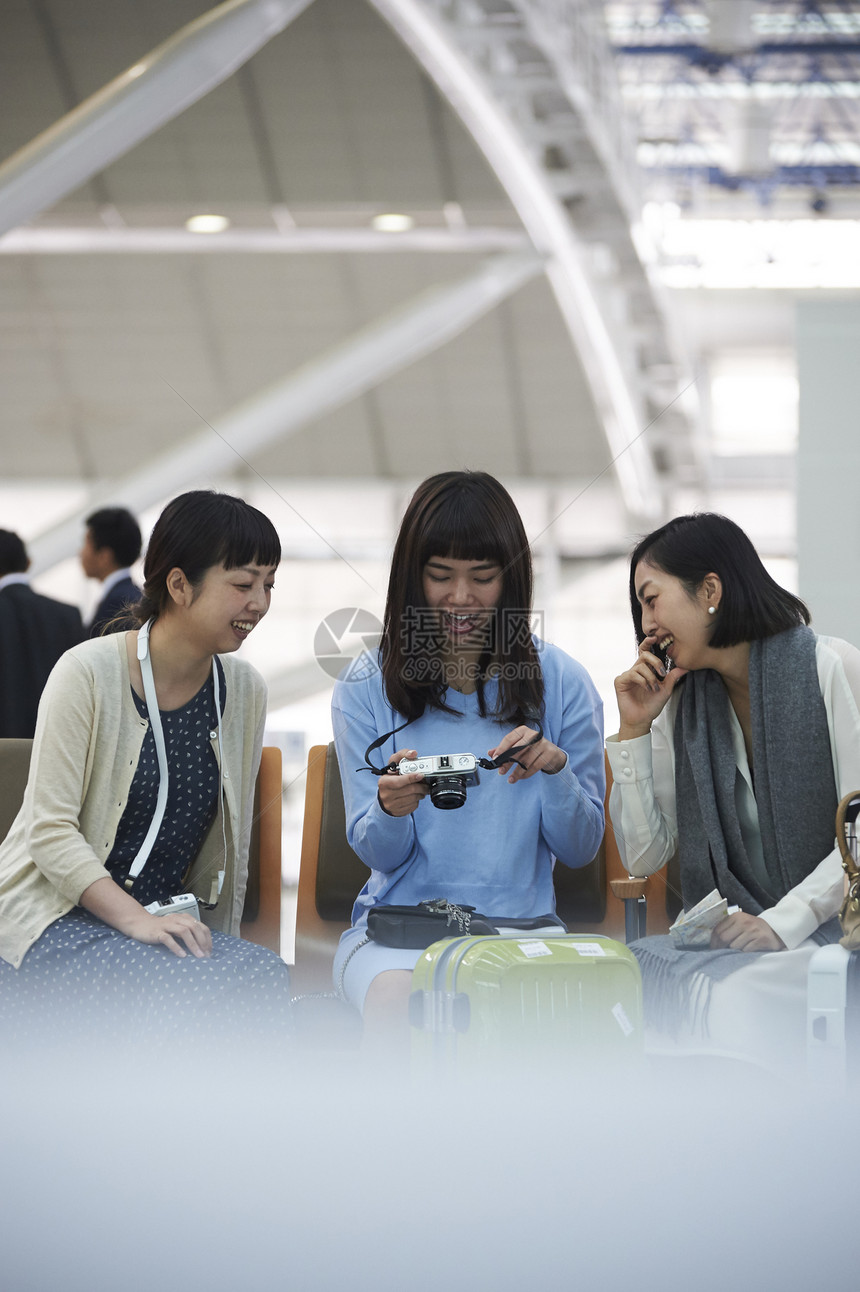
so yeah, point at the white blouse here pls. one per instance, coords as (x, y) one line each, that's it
(642, 801)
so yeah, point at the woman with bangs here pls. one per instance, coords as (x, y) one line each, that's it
(460, 671)
(141, 787)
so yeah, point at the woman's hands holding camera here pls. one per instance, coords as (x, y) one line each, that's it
(542, 756)
(400, 795)
(643, 691)
(180, 933)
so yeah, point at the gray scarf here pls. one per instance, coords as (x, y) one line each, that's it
(796, 798)
(795, 788)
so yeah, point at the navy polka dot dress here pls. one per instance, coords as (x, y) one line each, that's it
(192, 800)
(82, 972)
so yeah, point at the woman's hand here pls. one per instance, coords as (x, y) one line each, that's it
(643, 691)
(542, 756)
(181, 934)
(745, 933)
(400, 795)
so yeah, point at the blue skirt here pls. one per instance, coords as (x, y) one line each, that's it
(82, 974)
(358, 961)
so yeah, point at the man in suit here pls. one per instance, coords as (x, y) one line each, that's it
(111, 546)
(34, 633)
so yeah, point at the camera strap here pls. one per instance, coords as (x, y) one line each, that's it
(369, 767)
(488, 764)
(151, 699)
(509, 756)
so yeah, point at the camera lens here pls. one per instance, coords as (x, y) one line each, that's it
(448, 792)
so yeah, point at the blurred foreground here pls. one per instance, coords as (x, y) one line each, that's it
(224, 1166)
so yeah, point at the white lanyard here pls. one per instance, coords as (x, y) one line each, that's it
(161, 753)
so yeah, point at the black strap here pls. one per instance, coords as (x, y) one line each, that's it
(380, 771)
(489, 764)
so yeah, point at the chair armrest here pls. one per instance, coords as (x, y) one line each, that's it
(624, 889)
(632, 893)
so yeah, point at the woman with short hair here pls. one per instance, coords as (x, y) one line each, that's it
(141, 787)
(739, 733)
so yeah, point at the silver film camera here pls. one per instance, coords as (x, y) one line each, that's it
(448, 775)
(182, 904)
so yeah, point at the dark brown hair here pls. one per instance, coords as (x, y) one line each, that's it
(196, 531)
(461, 516)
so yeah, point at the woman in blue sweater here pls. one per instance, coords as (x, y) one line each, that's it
(460, 671)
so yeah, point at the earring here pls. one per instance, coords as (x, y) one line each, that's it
(712, 610)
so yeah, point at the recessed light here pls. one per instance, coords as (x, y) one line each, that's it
(392, 223)
(207, 224)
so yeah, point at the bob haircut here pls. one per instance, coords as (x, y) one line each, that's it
(464, 516)
(196, 531)
(753, 605)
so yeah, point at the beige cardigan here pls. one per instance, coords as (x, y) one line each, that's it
(86, 748)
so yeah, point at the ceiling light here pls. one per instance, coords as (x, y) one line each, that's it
(392, 223)
(207, 224)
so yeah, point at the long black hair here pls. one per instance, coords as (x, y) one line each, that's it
(461, 516)
(753, 605)
(196, 531)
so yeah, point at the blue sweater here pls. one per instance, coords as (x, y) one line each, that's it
(496, 851)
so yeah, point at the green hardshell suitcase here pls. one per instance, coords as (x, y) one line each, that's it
(476, 998)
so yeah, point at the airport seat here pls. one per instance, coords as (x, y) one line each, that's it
(14, 769)
(261, 915)
(331, 876)
(261, 921)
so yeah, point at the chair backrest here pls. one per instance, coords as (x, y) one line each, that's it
(261, 916)
(581, 894)
(14, 770)
(331, 876)
(261, 920)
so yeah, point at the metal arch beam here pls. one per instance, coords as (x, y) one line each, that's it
(68, 241)
(548, 225)
(159, 87)
(348, 370)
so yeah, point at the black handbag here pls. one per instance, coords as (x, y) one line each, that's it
(418, 927)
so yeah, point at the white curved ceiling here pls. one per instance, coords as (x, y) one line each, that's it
(108, 359)
(118, 342)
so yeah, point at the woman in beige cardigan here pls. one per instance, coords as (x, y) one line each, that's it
(140, 792)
